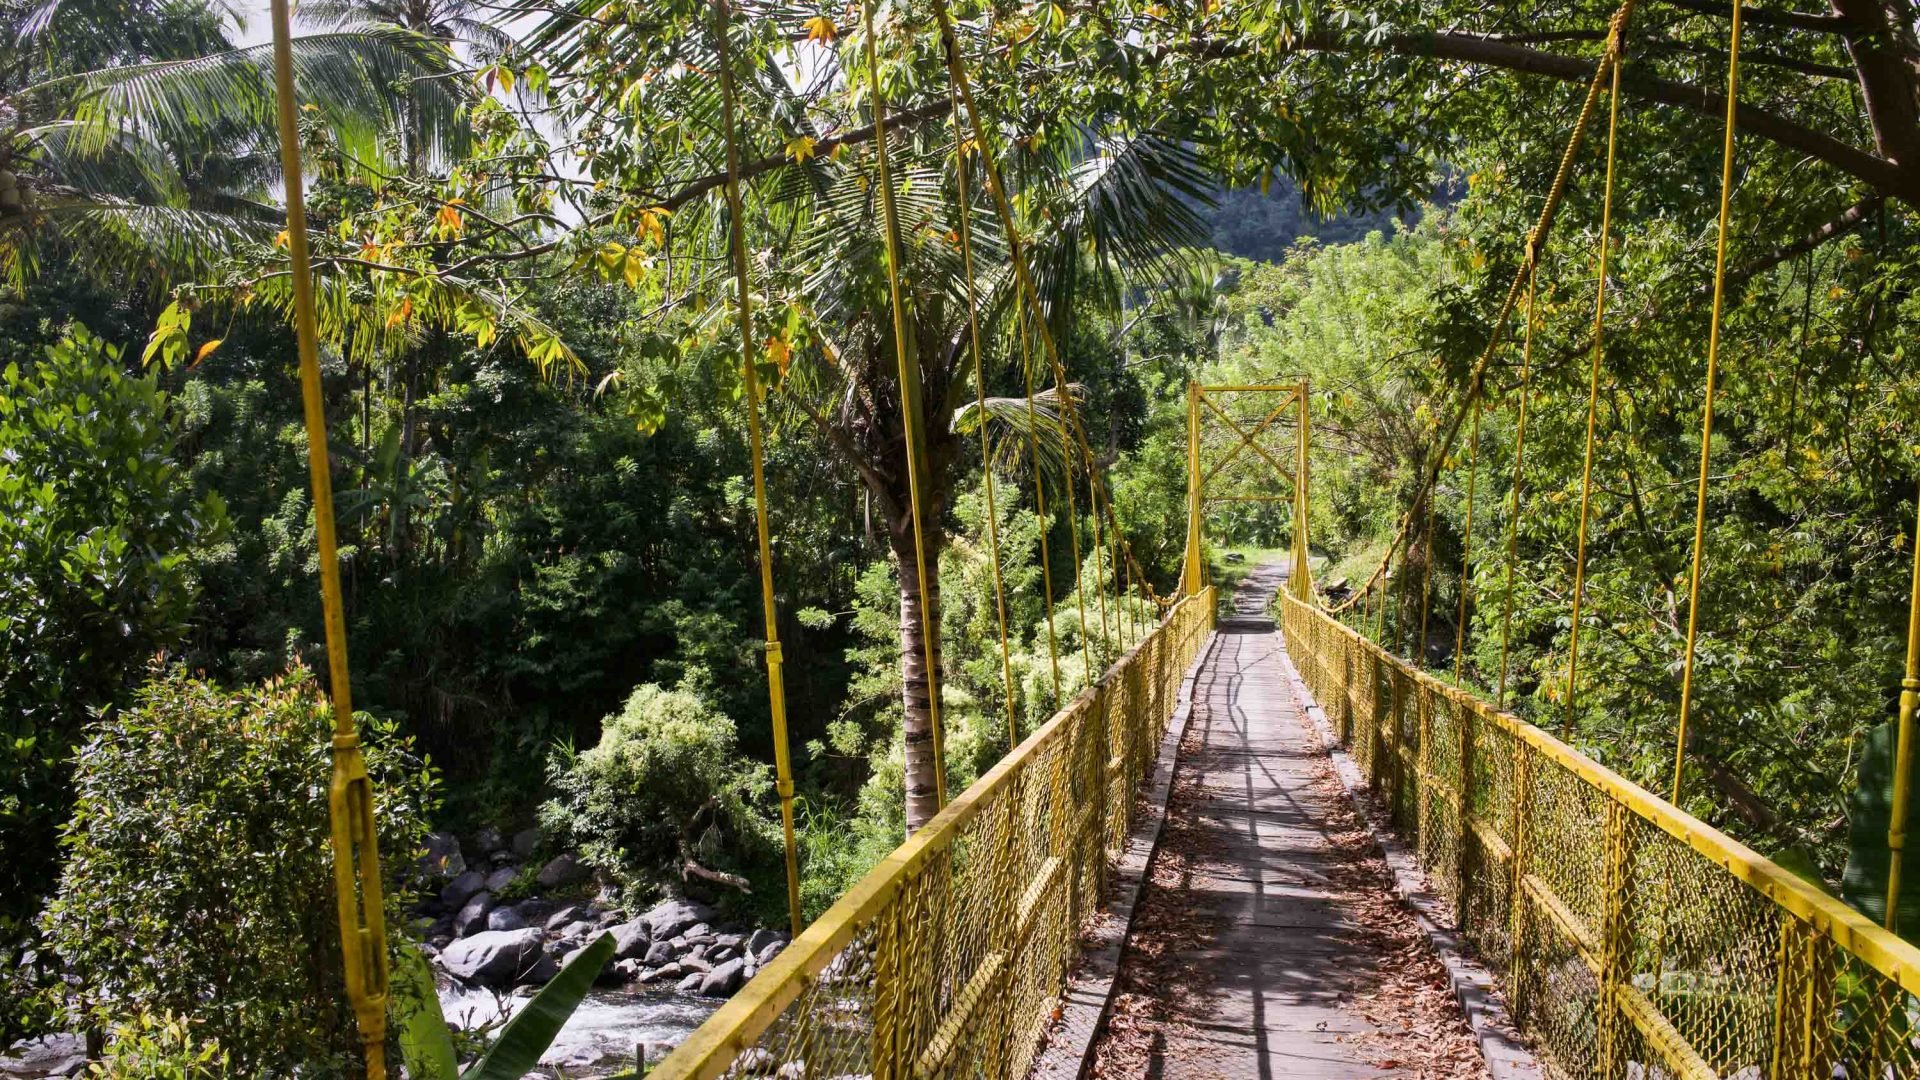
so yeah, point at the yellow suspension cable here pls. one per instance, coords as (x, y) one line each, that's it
(1536, 241)
(1380, 612)
(1903, 740)
(1099, 556)
(1519, 475)
(1073, 532)
(358, 894)
(1593, 382)
(1426, 587)
(1015, 246)
(1466, 554)
(1706, 412)
(980, 402)
(909, 403)
(776, 677)
(1039, 498)
(1403, 614)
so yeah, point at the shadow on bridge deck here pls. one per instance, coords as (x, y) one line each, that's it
(1268, 944)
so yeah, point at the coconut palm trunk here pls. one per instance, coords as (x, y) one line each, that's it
(915, 687)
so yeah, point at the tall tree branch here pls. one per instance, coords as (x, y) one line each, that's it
(1889, 177)
(1787, 20)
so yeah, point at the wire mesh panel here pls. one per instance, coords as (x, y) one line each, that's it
(948, 959)
(1633, 940)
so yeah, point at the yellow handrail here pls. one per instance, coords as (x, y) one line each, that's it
(1591, 897)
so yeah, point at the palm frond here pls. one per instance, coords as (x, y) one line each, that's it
(354, 78)
(1129, 214)
(130, 243)
(1016, 431)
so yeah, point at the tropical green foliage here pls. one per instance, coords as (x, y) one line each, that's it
(142, 141)
(665, 789)
(160, 1047)
(534, 388)
(99, 532)
(199, 877)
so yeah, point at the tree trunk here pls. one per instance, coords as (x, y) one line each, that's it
(922, 797)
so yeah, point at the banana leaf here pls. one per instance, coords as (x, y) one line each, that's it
(425, 1044)
(533, 1028)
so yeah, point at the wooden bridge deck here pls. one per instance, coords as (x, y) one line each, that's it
(1268, 944)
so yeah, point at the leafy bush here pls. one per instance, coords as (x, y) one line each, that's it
(163, 1047)
(665, 786)
(96, 530)
(199, 878)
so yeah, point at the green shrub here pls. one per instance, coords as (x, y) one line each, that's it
(199, 878)
(666, 785)
(164, 1047)
(97, 526)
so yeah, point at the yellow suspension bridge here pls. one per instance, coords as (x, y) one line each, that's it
(1629, 938)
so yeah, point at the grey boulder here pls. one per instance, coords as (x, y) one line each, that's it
(631, 940)
(488, 841)
(496, 957)
(567, 913)
(461, 889)
(473, 914)
(675, 917)
(723, 980)
(765, 956)
(691, 983)
(760, 939)
(525, 841)
(505, 918)
(660, 952)
(562, 870)
(502, 878)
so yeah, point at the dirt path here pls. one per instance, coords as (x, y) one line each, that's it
(1268, 944)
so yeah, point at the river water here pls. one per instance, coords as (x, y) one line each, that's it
(603, 1033)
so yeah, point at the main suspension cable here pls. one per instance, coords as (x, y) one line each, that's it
(1016, 249)
(1536, 242)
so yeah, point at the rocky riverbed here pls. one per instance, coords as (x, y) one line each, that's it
(483, 941)
(498, 917)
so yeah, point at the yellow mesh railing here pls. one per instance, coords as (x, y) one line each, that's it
(948, 959)
(1632, 939)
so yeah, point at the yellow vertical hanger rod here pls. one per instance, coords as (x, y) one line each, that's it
(1706, 409)
(909, 403)
(737, 249)
(356, 854)
(1614, 45)
(964, 190)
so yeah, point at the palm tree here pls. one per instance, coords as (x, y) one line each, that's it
(1101, 207)
(450, 22)
(140, 150)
